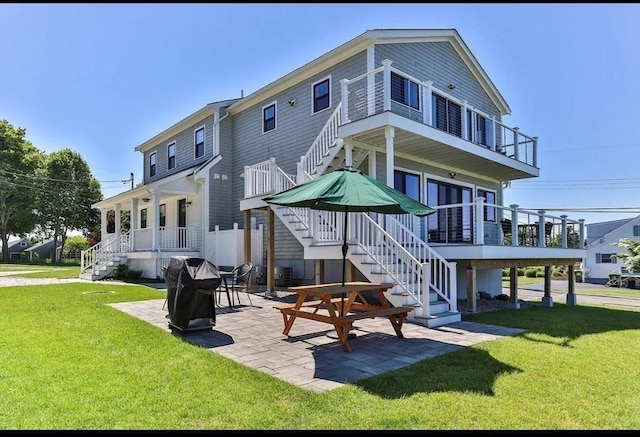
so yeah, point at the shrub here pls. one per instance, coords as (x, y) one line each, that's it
(520, 271)
(122, 271)
(531, 272)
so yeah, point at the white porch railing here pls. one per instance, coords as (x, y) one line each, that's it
(266, 178)
(170, 238)
(370, 94)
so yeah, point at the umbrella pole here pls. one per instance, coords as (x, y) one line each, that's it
(345, 249)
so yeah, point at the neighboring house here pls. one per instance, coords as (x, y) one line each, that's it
(599, 261)
(15, 249)
(40, 251)
(413, 108)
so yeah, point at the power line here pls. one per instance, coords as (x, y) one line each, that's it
(42, 178)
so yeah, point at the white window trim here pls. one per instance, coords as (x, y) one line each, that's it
(153, 154)
(414, 172)
(204, 141)
(313, 97)
(175, 164)
(275, 106)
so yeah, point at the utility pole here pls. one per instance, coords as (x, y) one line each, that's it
(132, 181)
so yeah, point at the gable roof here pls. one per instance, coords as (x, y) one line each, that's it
(362, 42)
(202, 113)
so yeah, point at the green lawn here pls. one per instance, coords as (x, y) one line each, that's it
(41, 270)
(76, 363)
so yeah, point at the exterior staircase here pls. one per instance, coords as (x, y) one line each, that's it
(422, 278)
(99, 260)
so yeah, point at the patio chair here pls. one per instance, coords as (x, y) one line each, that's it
(241, 279)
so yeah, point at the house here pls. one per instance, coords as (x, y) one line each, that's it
(15, 249)
(40, 251)
(600, 247)
(411, 107)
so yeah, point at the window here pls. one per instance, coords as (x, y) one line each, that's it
(152, 164)
(407, 183)
(447, 115)
(477, 125)
(198, 139)
(605, 258)
(321, 95)
(489, 197)
(405, 91)
(269, 118)
(163, 215)
(171, 156)
(143, 218)
(636, 230)
(449, 225)
(23, 244)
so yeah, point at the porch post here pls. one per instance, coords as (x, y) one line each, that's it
(466, 134)
(581, 242)
(103, 223)
(471, 288)
(345, 100)
(386, 86)
(513, 288)
(372, 163)
(117, 227)
(133, 222)
(389, 133)
(426, 102)
(547, 300)
(535, 151)
(514, 224)
(478, 238)
(348, 152)
(516, 138)
(565, 240)
(155, 221)
(271, 279)
(571, 295)
(319, 277)
(541, 236)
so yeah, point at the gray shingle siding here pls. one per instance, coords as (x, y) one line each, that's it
(440, 63)
(222, 202)
(185, 151)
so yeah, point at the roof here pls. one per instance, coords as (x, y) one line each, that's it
(202, 113)
(362, 42)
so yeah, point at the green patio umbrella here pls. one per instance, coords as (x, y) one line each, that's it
(349, 190)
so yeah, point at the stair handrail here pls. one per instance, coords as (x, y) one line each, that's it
(97, 255)
(323, 142)
(441, 278)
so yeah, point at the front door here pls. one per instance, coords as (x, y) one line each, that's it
(182, 223)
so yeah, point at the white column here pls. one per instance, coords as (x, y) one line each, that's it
(514, 224)
(103, 223)
(564, 231)
(479, 213)
(345, 100)
(466, 134)
(155, 221)
(426, 103)
(118, 226)
(348, 152)
(389, 133)
(373, 162)
(541, 236)
(386, 75)
(371, 93)
(133, 224)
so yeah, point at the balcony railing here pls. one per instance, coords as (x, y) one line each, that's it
(371, 93)
(174, 238)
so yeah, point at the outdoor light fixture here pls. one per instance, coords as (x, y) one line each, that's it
(292, 102)
(452, 174)
(451, 86)
(145, 199)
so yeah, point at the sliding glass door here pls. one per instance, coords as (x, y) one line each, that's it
(449, 225)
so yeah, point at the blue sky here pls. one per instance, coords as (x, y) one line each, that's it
(103, 78)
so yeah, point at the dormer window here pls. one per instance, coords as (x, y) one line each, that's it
(269, 117)
(152, 164)
(321, 95)
(198, 139)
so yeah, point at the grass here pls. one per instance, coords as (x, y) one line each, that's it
(603, 291)
(41, 270)
(77, 363)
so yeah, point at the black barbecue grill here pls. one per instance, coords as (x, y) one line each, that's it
(191, 283)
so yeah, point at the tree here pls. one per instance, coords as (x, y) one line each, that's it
(75, 244)
(632, 256)
(19, 160)
(68, 191)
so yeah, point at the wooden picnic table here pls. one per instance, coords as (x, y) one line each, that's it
(329, 299)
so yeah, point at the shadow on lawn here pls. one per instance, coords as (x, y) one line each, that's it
(468, 370)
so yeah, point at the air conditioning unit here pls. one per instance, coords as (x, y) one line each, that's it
(283, 276)
(261, 275)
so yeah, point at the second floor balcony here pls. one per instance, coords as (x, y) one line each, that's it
(430, 124)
